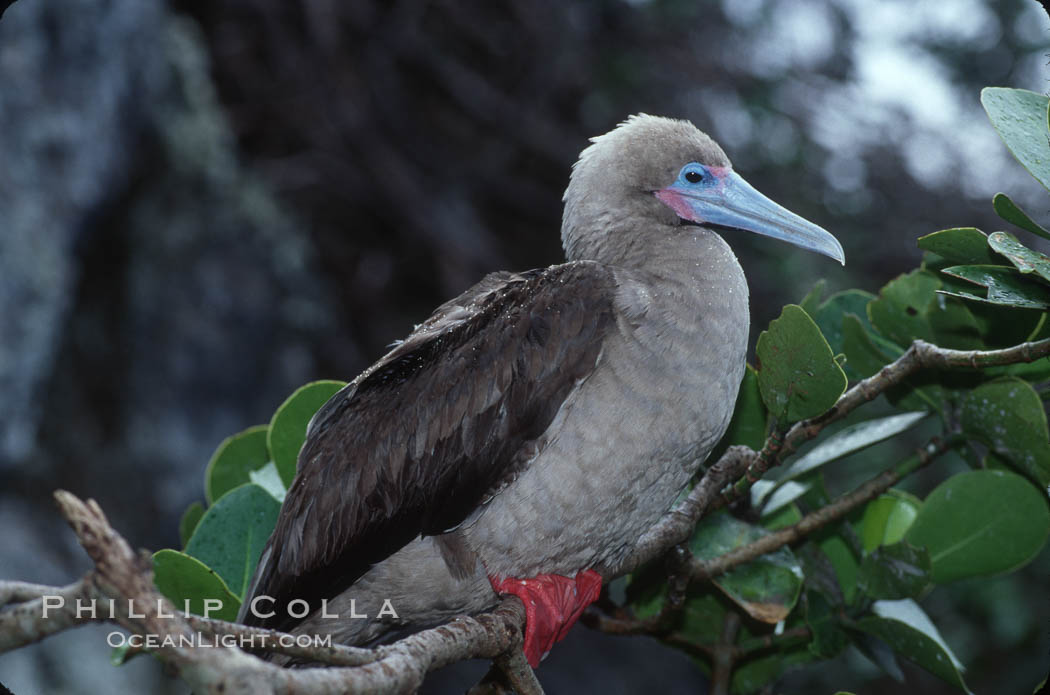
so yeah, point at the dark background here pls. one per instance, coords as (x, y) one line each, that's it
(204, 204)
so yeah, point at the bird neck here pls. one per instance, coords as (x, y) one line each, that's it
(690, 256)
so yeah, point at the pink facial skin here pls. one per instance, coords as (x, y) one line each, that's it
(676, 196)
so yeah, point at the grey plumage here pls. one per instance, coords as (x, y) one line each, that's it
(537, 424)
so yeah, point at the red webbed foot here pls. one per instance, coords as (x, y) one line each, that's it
(553, 603)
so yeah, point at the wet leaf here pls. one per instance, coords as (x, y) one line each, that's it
(767, 588)
(1007, 415)
(798, 375)
(231, 535)
(1019, 116)
(182, 578)
(288, 426)
(908, 631)
(895, 571)
(236, 457)
(1024, 259)
(979, 523)
(1009, 211)
(963, 245)
(887, 518)
(1003, 286)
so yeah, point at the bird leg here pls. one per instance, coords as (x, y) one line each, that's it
(553, 604)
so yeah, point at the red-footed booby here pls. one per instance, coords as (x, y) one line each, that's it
(524, 437)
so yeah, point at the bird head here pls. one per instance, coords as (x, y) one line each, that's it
(657, 172)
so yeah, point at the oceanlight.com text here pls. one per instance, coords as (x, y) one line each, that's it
(198, 639)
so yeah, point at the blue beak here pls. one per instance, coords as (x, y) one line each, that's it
(726, 199)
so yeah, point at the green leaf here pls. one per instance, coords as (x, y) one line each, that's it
(767, 588)
(121, 655)
(829, 640)
(269, 479)
(844, 562)
(188, 523)
(851, 440)
(998, 328)
(702, 618)
(900, 312)
(887, 518)
(811, 301)
(748, 426)
(880, 654)
(288, 426)
(783, 515)
(1009, 211)
(1024, 259)
(755, 674)
(963, 245)
(1007, 415)
(188, 582)
(981, 522)
(231, 536)
(908, 631)
(236, 457)
(895, 572)
(771, 496)
(908, 307)
(1003, 286)
(829, 317)
(1019, 116)
(863, 357)
(798, 375)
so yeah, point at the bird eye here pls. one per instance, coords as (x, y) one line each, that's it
(694, 176)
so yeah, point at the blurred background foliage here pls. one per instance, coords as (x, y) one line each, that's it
(204, 204)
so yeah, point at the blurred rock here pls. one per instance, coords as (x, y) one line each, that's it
(155, 298)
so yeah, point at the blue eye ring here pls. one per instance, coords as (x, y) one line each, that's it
(694, 174)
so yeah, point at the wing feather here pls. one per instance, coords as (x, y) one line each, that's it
(438, 425)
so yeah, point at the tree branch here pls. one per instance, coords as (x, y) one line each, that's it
(921, 355)
(121, 575)
(704, 570)
(124, 577)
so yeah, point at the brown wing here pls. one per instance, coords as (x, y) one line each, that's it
(415, 443)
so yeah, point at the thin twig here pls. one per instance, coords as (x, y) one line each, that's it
(724, 655)
(703, 570)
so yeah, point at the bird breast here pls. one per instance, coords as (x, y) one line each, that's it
(634, 431)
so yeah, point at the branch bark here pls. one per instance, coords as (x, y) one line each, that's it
(125, 577)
